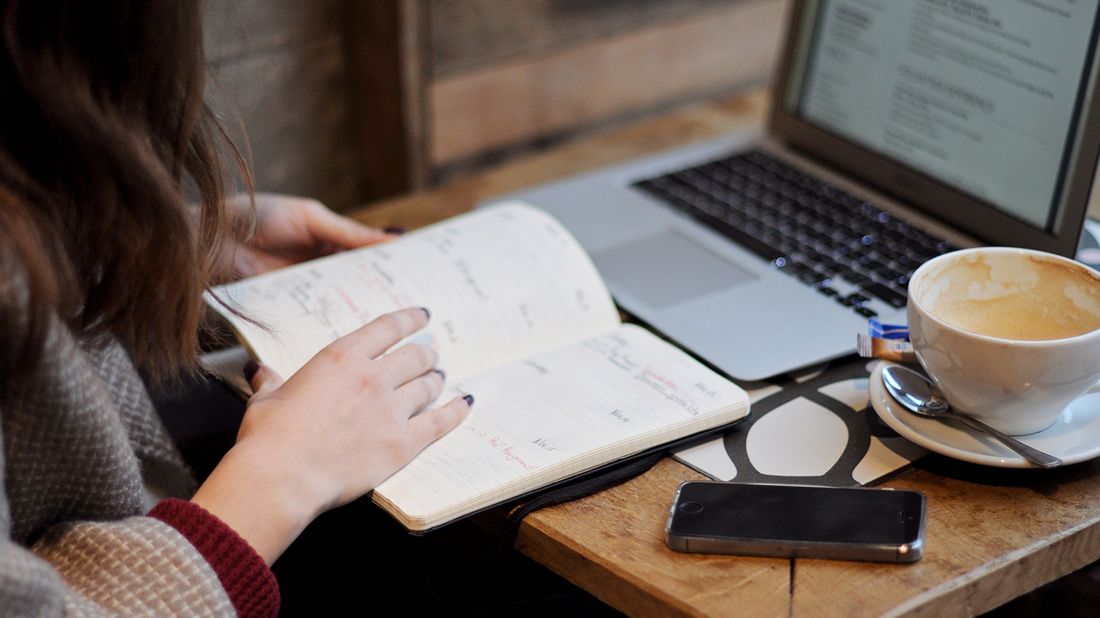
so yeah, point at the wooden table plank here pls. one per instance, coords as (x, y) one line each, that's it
(992, 534)
(612, 544)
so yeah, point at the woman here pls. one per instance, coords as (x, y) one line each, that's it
(102, 268)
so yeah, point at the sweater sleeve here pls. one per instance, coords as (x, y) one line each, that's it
(126, 566)
(133, 566)
(72, 541)
(243, 573)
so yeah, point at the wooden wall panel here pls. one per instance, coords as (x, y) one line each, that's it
(281, 78)
(235, 28)
(295, 110)
(467, 35)
(352, 100)
(386, 51)
(499, 106)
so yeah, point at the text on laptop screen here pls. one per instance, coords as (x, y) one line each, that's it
(980, 94)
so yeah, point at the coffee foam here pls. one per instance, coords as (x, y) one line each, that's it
(1013, 296)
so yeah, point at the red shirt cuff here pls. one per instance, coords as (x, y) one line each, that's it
(243, 573)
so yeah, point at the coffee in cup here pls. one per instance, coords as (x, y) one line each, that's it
(1010, 335)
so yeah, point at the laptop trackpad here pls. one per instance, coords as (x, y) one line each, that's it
(667, 268)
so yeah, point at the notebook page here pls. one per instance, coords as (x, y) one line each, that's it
(556, 414)
(501, 283)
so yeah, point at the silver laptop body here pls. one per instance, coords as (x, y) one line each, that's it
(737, 307)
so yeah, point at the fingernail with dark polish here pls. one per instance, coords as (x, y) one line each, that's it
(427, 313)
(250, 369)
(395, 230)
(469, 399)
(442, 374)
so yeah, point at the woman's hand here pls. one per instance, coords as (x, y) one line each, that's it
(289, 230)
(341, 425)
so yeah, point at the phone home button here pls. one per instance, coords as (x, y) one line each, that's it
(691, 507)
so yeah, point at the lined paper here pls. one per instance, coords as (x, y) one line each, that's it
(501, 283)
(558, 413)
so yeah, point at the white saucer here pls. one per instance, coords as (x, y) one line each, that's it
(1074, 437)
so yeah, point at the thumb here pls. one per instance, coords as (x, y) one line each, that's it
(344, 232)
(263, 379)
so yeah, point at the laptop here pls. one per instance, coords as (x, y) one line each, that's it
(898, 131)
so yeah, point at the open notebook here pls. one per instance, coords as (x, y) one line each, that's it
(520, 319)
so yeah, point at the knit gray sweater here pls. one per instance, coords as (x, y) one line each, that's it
(83, 452)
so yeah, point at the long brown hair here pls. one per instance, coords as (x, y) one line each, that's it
(103, 130)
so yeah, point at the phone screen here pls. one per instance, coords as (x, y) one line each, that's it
(797, 513)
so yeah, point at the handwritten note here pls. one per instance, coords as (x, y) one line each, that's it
(558, 413)
(502, 283)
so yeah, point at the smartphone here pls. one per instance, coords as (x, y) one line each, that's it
(881, 525)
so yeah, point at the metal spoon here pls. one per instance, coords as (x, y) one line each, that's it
(921, 396)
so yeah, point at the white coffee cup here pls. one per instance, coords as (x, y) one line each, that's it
(1011, 336)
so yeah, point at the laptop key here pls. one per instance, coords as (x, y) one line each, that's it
(893, 298)
(858, 279)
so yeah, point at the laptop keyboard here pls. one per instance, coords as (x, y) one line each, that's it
(829, 239)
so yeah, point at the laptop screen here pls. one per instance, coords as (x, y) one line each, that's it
(981, 95)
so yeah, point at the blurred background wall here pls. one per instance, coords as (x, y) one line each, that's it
(353, 100)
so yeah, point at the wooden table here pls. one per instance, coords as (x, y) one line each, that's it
(992, 534)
